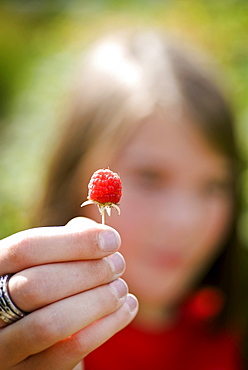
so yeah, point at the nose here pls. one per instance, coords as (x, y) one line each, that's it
(180, 211)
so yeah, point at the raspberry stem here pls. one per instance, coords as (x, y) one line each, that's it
(102, 212)
(102, 208)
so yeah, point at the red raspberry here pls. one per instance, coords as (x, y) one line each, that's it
(105, 187)
(105, 190)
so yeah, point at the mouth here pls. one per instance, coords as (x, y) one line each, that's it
(166, 259)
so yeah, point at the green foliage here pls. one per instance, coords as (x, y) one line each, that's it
(39, 41)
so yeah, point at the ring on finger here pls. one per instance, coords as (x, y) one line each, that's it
(9, 313)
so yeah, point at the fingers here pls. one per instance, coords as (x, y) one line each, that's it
(80, 239)
(51, 324)
(39, 286)
(66, 354)
(67, 277)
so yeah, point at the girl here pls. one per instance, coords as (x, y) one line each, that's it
(149, 110)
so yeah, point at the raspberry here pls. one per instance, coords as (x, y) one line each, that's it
(105, 190)
(105, 187)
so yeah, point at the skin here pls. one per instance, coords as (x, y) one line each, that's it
(175, 212)
(72, 289)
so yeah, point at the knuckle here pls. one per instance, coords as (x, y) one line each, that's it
(26, 290)
(111, 298)
(90, 236)
(114, 300)
(21, 250)
(78, 346)
(103, 301)
(84, 240)
(47, 328)
(100, 270)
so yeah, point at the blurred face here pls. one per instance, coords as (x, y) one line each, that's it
(175, 210)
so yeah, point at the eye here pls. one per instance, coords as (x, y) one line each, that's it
(149, 179)
(217, 188)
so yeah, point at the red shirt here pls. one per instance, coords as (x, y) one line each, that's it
(187, 345)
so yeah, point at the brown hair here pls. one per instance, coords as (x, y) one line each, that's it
(125, 79)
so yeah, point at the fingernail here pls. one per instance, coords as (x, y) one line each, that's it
(109, 240)
(117, 263)
(120, 287)
(132, 302)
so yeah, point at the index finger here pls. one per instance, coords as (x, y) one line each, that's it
(80, 239)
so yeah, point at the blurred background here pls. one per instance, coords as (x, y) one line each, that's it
(39, 43)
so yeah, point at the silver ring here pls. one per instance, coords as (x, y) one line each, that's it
(9, 313)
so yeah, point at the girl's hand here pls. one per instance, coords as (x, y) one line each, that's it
(67, 278)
